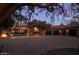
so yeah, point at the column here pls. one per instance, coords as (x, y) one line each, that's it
(52, 32)
(44, 32)
(67, 31)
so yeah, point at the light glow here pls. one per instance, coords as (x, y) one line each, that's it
(35, 29)
(67, 30)
(3, 35)
(60, 31)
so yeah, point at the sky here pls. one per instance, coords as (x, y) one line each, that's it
(57, 19)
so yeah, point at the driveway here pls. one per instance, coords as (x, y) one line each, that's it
(35, 45)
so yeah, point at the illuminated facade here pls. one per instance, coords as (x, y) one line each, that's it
(19, 29)
(23, 29)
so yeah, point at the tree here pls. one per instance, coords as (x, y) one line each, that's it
(42, 25)
(56, 9)
(73, 23)
(20, 18)
(7, 23)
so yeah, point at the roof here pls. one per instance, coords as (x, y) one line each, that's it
(21, 25)
(61, 26)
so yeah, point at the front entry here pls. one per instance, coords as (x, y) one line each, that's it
(63, 32)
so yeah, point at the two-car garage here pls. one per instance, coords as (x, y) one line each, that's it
(71, 32)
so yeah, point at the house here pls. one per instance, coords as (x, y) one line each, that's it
(19, 29)
(63, 30)
(23, 29)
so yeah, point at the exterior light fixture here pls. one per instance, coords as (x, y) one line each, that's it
(3, 35)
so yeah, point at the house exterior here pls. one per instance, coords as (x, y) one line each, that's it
(64, 30)
(23, 29)
(19, 29)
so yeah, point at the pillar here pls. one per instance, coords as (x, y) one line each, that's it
(52, 32)
(44, 32)
(67, 32)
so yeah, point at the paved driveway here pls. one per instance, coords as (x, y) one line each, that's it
(37, 44)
